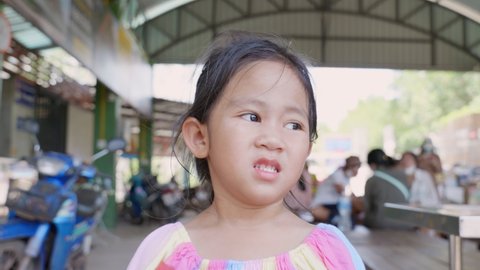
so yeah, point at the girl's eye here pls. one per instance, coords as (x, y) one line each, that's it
(251, 117)
(294, 126)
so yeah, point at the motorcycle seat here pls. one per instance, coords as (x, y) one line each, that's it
(90, 201)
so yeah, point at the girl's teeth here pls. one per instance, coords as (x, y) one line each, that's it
(266, 168)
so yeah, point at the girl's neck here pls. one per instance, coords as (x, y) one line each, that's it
(234, 214)
(226, 231)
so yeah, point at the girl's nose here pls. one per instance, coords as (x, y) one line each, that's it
(270, 138)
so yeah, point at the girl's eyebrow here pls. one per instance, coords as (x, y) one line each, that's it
(259, 103)
(240, 102)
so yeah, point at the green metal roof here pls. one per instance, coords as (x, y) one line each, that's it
(406, 34)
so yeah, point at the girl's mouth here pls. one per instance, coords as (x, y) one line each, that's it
(267, 166)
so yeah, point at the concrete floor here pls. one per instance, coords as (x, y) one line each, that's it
(113, 249)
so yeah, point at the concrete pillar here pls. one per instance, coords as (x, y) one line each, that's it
(107, 116)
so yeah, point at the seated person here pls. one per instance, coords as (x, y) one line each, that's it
(386, 185)
(423, 191)
(324, 204)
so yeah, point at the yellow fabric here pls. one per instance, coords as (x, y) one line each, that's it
(176, 238)
(304, 258)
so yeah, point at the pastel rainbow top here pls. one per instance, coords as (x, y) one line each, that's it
(169, 247)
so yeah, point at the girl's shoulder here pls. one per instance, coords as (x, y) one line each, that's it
(156, 244)
(170, 246)
(329, 241)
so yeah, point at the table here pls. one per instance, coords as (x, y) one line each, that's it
(409, 249)
(458, 221)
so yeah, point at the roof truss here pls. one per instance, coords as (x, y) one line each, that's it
(415, 34)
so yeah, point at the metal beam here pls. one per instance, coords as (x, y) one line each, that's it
(235, 7)
(447, 24)
(373, 6)
(414, 11)
(404, 20)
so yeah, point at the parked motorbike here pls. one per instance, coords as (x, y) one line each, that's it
(198, 198)
(149, 199)
(50, 225)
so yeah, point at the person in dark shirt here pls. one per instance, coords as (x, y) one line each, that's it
(387, 184)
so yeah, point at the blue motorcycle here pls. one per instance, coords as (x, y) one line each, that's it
(147, 198)
(50, 225)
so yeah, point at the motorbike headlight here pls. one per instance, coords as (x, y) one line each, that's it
(88, 171)
(51, 166)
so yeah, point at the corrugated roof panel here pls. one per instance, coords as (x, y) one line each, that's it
(166, 23)
(420, 19)
(32, 39)
(367, 27)
(476, 50)
(191, 23)
(302, 4)
(156, 40)
(186, 50)
(346, 5)
(384, 9)
(263, 6)
(453, 32)
(227, 12)
(397, 30)
(202, 8)
(377, 54)
(24, 32)
(310, 48)
(473, 33)
(448, 57)
(408, 6)
(298, 24)
(443, 16)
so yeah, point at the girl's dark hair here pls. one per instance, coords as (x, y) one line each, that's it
(379, 158)
(229, 52)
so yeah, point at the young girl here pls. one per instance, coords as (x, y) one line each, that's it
(250, 130)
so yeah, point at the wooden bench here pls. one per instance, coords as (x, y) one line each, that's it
(398, 250)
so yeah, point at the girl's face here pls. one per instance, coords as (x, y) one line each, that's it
(258, 135)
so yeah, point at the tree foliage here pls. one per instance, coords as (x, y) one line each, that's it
(371, 115)
(423, 101)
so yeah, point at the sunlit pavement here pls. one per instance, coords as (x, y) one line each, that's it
(113, 249)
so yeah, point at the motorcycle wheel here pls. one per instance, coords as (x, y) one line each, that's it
(163, 213)
(12, 256)
(127, 214)
(77, 261)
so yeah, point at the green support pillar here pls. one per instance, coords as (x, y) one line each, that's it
(107, 112)
(1, 80)
(145, 145)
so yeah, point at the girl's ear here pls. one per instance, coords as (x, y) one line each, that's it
(195, 137)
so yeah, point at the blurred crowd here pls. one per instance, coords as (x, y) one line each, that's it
(415, 178)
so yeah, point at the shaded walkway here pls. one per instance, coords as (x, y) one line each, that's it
(112, 250)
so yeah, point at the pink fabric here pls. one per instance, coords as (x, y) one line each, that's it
(148, 252)
(325, 241)
(184, 257)
(330, 249)
(283, 262)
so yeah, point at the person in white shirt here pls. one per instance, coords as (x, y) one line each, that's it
(423, 191)
(329, 192)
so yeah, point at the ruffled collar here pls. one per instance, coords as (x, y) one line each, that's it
(189, 249)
